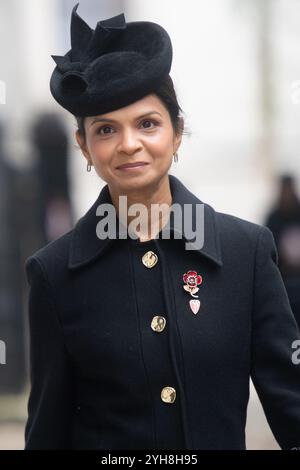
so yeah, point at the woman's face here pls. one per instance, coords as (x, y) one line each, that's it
(140, 132)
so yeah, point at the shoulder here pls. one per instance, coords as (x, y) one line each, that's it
(51, 258)
(232, 225)
(241, 234)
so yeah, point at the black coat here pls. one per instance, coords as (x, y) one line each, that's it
(98, 367)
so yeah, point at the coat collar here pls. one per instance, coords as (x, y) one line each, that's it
(85, 246)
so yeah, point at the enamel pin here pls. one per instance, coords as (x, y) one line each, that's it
(192, 280)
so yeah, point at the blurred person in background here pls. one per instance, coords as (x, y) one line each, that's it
(284, 222)
(50, 140)
(12, 374)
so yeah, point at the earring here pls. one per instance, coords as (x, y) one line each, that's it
(175, 157)
(88, 167)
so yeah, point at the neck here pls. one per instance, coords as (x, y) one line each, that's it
(158, 194)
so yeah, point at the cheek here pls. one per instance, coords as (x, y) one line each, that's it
(101, 152)
(101, 155)
(160, 145)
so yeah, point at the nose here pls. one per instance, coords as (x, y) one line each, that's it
(129, 142)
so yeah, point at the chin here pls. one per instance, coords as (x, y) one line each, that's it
(138, 182)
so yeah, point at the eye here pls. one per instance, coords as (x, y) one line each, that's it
(149, 121)
(104, 128)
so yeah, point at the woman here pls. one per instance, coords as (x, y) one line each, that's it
(141, 341)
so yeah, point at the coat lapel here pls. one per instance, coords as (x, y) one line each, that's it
(85, 246)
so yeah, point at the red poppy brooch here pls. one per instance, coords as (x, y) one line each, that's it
(192, 280)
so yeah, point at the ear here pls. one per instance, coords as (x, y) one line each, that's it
(83, 146)
(178, 135)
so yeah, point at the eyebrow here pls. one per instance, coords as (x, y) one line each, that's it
(112, 120)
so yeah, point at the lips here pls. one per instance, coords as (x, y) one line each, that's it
(132, 165)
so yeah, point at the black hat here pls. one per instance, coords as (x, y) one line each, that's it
(110, 67)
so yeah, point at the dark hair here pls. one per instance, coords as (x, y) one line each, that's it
(166, 93)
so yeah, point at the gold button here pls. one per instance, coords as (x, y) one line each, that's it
(158, 323)
(168, 394)
(149, 259)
